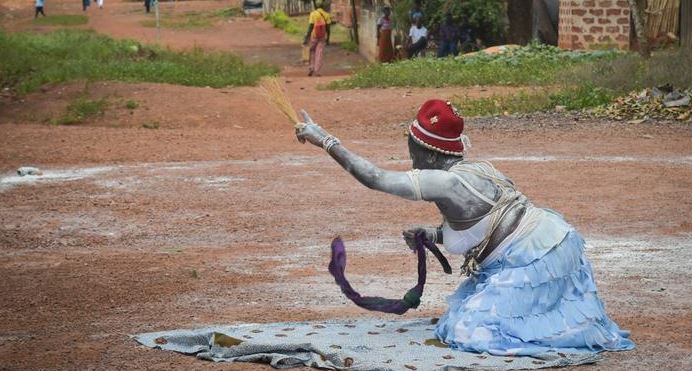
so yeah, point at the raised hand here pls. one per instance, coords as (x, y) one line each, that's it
(309, 131)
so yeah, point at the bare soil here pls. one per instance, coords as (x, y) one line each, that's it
(221, 216)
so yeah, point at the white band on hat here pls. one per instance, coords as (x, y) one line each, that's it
(465, 141)
(431, 135)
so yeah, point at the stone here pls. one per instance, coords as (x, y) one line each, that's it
(28, 170)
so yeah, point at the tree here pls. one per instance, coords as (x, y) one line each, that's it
(639, 29)
(486, 17)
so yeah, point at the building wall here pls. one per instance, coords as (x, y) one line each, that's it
(586, 24)
(367, 28)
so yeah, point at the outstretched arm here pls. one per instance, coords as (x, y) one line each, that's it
(428, 185)
(393, 182)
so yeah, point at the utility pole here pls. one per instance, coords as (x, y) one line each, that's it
(354, 21)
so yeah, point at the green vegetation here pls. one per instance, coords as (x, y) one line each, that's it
(534, 64)
(575, 80)
(293, 26)
(541, 100)
(349, 45)
(296, 27)
(630, 72)
(522, 102)
(31, 60)
(62, 20)
(486, 17)
(81, 109)
(131, 104)
(193, 19)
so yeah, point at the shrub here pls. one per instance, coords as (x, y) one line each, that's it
(486, 17)
(534, 64)
(81, 109)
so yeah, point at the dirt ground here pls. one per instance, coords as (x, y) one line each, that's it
(219, 216)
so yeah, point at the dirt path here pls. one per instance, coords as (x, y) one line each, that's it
(219, 216)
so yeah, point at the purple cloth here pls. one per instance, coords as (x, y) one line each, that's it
(398, 306)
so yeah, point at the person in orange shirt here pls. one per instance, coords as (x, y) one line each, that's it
(317, 36)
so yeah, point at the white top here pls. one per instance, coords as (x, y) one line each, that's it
(459, 242)
(416, 33)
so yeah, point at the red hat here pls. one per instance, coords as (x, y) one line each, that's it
(439, 127)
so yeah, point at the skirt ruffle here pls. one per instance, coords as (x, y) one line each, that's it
(538, 296)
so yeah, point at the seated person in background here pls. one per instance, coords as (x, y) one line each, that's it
(449, 38)
(417, 38)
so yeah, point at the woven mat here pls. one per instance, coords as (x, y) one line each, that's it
(363, 344)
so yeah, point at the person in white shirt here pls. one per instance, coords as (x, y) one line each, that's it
(417, 38)
(39, 8)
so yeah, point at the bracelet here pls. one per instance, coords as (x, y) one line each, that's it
(431, 234)
(329, 141)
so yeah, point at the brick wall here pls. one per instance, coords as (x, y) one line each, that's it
(586, 24)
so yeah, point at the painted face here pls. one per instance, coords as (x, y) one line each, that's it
(419, 156)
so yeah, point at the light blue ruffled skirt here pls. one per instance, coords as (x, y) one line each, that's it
(537, 296)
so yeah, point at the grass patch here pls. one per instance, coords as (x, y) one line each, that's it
(62, 20)
(80, 109)
(296, 27)
(292, 25)
(522, 102)
(534, 64)
(577, 80)
(630, 72)
(193, 19)
(31, 60)
(131, 104)
(349, 45)
(573, 98)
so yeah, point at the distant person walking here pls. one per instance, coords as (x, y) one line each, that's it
(384, 36)
(99, 3)
(417, 37)
(147, 5)
(317, 36)
(39, 8)
(85, 5)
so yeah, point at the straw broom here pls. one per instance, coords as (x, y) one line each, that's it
(273, 91)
